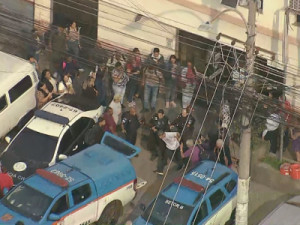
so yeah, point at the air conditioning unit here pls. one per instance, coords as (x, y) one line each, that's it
(295, 5)
(230, 3)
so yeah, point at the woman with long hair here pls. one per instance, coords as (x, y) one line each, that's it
(65, 86)
(171, 74)
(50, 82)
(42, 95)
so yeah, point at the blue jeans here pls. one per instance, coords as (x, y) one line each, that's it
(73, 47)
(150, 93)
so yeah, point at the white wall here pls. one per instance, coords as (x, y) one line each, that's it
(117, 26)
(43, 11)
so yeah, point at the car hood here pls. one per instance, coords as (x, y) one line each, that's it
(18, 168)
(8, 216)
(140, 221)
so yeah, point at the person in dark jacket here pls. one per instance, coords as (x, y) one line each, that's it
(158, 122)
(130, 124)
(94, 134)
(156, 59)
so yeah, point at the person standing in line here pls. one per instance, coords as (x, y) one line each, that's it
(158, 122)
(171, 140)
(58, 45)
(120, 79)
(117, 108)
(130, 124)
(6, 182)
(151, 81)
(170, 75)
(156, 59)
(133, 68)
(187, 83)
(73, 40)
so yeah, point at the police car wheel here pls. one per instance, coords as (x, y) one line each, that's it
(111, 214)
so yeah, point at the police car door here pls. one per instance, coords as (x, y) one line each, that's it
(83, 207)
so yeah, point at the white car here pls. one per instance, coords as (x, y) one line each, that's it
(55, 132)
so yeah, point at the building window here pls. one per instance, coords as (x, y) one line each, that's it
(230, 3)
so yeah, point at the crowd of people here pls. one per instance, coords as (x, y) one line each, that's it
(118, 81)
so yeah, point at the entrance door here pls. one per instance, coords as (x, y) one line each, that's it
(83, 12)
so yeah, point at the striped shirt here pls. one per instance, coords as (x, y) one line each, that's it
(73, 34)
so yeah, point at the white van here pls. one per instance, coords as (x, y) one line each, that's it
(18, 81)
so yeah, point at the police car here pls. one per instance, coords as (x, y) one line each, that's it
(55, 132)
(191, 205)
(91, 186)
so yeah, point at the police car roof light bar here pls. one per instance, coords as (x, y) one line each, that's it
(189, 184)
(52, 178)
(52, 117)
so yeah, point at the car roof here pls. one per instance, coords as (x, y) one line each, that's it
(196, 180)
(106, 167)
(12, 69)
(50, 188)
(53, 128)
(286, 213)
(79, 102)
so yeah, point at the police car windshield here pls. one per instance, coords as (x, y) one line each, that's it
(33, 146)
(27, 202)
(179, 213)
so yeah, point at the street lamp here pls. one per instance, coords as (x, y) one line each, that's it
(207, 24)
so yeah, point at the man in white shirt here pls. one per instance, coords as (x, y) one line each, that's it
(172, 145)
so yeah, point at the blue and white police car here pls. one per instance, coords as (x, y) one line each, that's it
(55, 132)
(91, 186)
(191, 205)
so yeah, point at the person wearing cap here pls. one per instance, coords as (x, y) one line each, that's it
(193, 151)
(130, 124)
(171, 140)
(158, 122)
(117, 108)
(6, 182)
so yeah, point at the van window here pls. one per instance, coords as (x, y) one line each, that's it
(20, 88)
(203, 212)
(3, 103)
(61, 205)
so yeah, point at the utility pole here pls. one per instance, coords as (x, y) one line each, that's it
(285, 45)
(244, 168)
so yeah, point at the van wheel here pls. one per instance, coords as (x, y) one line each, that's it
(111, 214)
(231, 220)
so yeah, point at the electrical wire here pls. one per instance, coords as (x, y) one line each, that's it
(204, 119)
